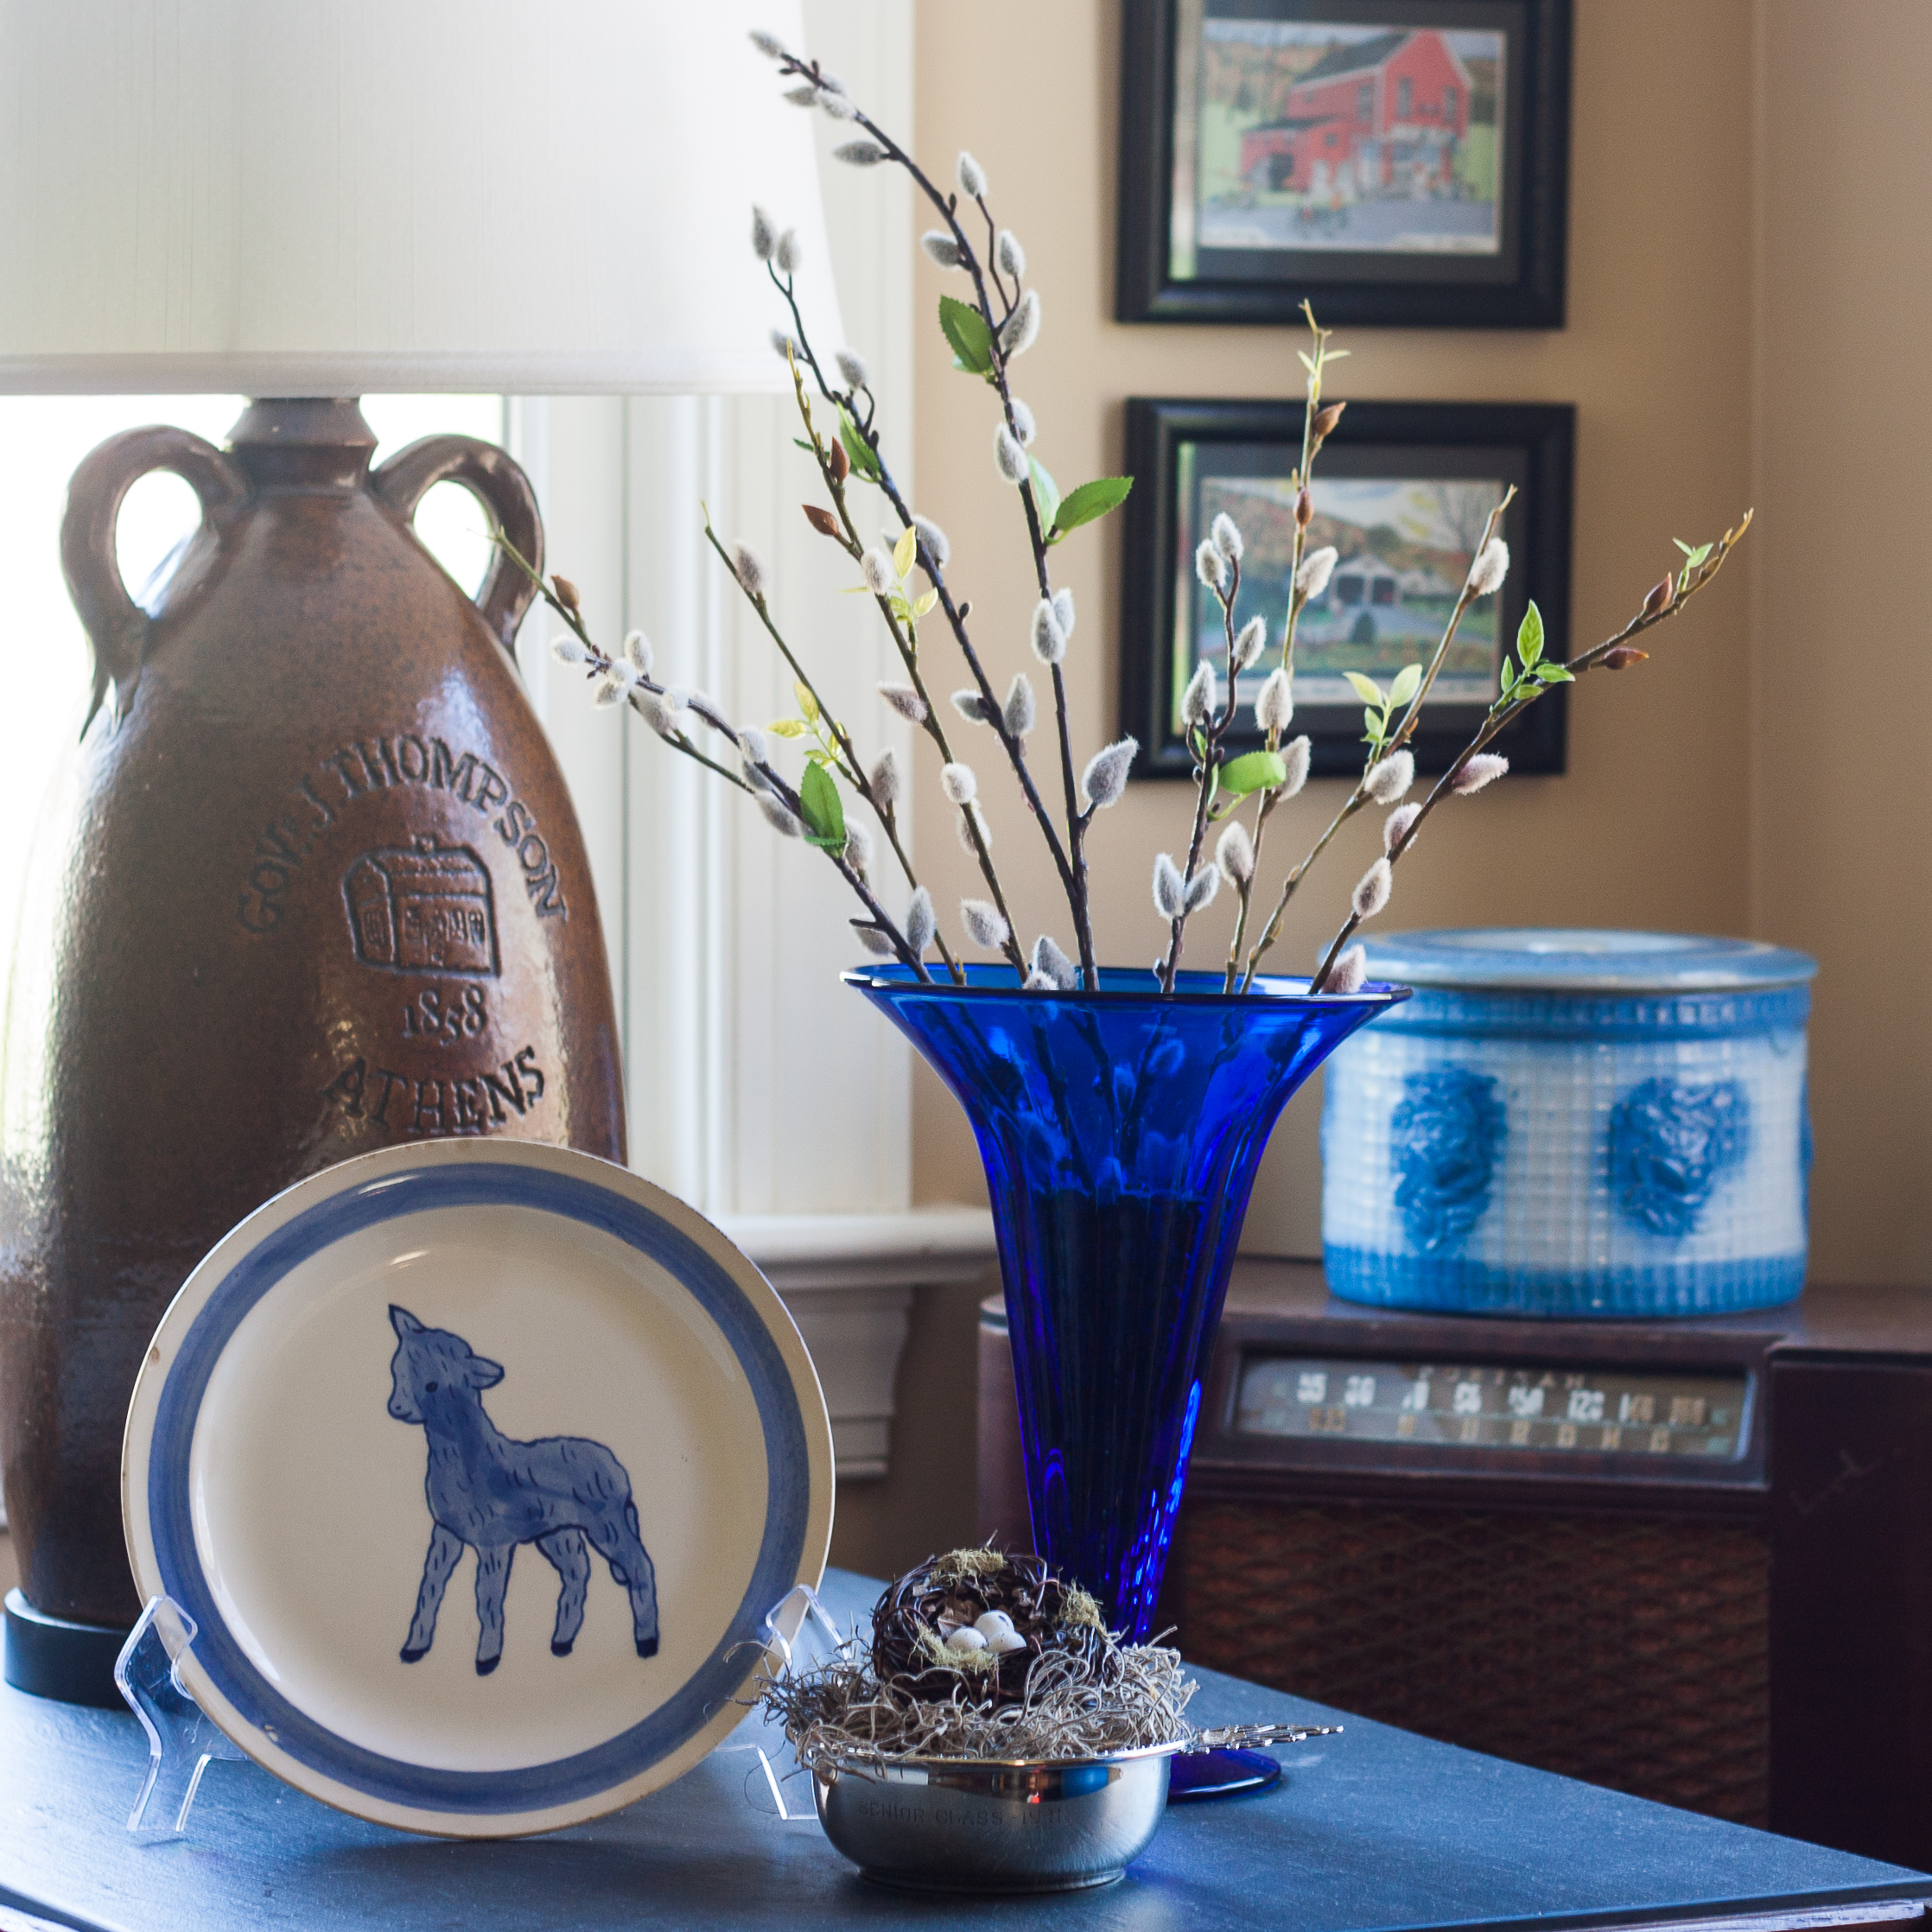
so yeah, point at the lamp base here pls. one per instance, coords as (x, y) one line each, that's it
(1220, 1773)
(48, 1657)
(309, 667)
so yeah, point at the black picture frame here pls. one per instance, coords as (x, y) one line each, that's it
(1162, 277)
(1530, 444)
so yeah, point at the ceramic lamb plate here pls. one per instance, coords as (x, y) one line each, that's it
(478, 1467)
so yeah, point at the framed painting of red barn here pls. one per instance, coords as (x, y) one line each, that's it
(1394, 161)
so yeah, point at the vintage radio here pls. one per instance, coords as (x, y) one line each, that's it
(1690, 1559)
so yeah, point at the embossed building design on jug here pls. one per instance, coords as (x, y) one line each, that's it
(310, 885)
(422, 910)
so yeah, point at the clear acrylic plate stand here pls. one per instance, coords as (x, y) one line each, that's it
(182, 1741)
(801, 1635)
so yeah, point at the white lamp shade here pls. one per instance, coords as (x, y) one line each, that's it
(338, 197)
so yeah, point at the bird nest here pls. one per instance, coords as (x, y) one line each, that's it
(1072, 1691)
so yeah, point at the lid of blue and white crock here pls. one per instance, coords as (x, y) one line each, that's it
(1562, 959)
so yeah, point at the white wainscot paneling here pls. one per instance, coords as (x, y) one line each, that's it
(848, 1280)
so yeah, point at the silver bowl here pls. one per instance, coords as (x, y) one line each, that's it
(977, 1824)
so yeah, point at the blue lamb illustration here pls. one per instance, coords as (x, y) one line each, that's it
(492, 1493)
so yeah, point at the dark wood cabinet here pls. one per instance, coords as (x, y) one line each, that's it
(1715, 1592)
(1851, 1623)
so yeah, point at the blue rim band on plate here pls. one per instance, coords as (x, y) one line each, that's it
(528, 1788)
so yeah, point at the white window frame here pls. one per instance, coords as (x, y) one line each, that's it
(760, 1090)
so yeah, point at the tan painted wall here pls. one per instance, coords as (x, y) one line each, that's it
(1750, 273)
(1844, 597)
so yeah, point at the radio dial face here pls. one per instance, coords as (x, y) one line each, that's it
(1483, 1405)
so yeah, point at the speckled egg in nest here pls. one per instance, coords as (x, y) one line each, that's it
(921, 1611)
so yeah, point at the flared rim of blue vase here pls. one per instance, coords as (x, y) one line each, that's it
(1119, 986)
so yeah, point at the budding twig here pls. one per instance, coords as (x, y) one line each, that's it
(601, 663)
(1205, 735)
(1073, 862)
(834, 468)
(1603, 655)
(1318, 422)
(1397, 743)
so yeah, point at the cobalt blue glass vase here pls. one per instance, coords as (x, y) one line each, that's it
(1120, 1132)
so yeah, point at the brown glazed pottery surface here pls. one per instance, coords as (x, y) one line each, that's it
(310, 885)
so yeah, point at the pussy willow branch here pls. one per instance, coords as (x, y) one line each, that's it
(1505, 711)
(842, 739)
(1010, 742)
(850, 765)
(1075, 874)
(1212, 733)
(835, 475)
(1298, 599)
(1007, 303)
(601, 659)
(601, 662)
(1411, 717)
(1397, 742)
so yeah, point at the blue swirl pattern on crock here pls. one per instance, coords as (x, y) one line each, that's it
(1670, 1143)
(1446, 1135)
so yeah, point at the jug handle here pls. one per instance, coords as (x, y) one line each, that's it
(496, 480)
(116, 626)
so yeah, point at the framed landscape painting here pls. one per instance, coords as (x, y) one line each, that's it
(1394, 162)
(1402, 492)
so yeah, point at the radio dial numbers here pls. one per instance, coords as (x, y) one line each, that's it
(1575, 1411)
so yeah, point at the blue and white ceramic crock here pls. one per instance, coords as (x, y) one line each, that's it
(1569, 1123)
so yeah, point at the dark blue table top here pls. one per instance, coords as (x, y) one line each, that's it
(1374, 1829)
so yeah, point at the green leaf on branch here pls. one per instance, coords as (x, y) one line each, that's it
(1087, 503)
(1046, 494)
(1408, 681)
(1254, 772)
(1366, 689)
(1529, 636)
(824, 814)
(1555, 674)
(857, 449)
(1693, 561)
(972, 341)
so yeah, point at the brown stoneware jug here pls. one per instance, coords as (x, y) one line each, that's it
(310, 885)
